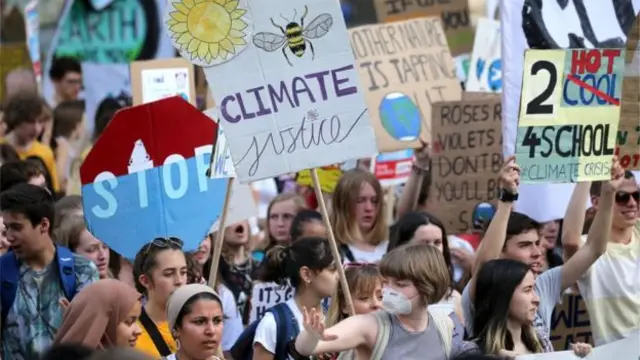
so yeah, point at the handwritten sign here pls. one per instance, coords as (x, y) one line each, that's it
(628, 149)
(153, 80)
(485, 70)
(467, 145)
(404, 67)
(265, 296)
(453, 14)
(570, 323)
(569, 114)
(286, 86)
(146, 177)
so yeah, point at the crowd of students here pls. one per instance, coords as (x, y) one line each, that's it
(418, 292)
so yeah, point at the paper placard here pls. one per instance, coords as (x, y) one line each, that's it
(265, 296)
(485, 70)
(153, 80)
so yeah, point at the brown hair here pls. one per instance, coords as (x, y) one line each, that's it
(68, 232)
(421, 264)
(66, 118)
(344, 200)
(23, 107)
(362, 280)
(269, 241)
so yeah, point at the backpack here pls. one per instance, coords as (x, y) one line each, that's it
(287, 330)
(441, 320)
(9, 277)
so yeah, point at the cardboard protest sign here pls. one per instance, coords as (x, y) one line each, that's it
(485, 70)
(265, 296)
(453, 14)
(153, 80)
(467, 156)
(288, 101)
(628, 149)
(393, 168)
(146, 177)
(570, 323)
(404, 68)
(569, 114)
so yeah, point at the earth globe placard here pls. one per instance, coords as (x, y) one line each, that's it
(400, 117)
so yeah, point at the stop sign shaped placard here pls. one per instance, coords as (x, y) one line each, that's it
(146, 177)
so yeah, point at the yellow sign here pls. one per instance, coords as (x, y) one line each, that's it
(569, 112)
(328, 176)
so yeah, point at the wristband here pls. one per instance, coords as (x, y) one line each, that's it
(507, 196)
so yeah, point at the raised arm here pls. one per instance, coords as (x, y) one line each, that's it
(599, 233)
(345, 335)
(419, 174)
(574, 220)
(495, 236)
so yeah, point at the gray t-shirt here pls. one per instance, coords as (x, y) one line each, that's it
(423, 345)
(549, 289)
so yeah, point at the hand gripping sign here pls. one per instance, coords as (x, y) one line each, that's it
(146, 177)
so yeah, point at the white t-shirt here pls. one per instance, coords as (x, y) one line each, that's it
(233, 319)
(267, 331)
(363, 256)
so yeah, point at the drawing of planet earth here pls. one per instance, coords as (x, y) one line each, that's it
(400, 117)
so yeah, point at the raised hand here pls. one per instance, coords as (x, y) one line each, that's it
(581, 349)
(510, 175)
(617, 175)
(314, 325)
(423, 156)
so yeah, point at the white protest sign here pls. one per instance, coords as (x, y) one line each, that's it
(628, 348)
(265, 296)
(485, 69)
(222, 162)
(283, 76)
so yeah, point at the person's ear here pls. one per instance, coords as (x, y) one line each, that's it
(45, 224)
(145, 281)
(306, 275)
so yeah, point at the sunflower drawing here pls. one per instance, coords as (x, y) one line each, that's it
(207, 31)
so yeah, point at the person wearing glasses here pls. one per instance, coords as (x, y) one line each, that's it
(610, 288)
(159, 268)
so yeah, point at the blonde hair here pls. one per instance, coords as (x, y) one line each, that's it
(298, 201)
(362, 280)
(69, 232)
(421, 264)
(344, 200)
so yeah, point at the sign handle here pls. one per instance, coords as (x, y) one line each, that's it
(217, 246)
(332, 242)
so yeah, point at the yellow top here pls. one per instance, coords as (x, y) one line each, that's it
(146, 345)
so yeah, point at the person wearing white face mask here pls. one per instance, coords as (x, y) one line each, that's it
(416, 276)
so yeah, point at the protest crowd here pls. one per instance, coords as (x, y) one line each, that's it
(454, 244)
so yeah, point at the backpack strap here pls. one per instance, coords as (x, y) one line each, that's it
(287, 329)
(9, 269)
(154, 334)
(384, 333)
(346, 252)
(67, 271)
(444, 325)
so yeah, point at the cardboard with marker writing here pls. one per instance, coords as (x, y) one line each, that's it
(402, 75)
(467, 156)
(570, 323)
(153, 80)
(629, 128)
(453, 15)
(265, 296)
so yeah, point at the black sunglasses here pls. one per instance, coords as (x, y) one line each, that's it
(623, 197)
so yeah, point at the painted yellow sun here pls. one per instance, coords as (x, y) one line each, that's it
(208, 30)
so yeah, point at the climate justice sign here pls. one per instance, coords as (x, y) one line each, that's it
(569, 114)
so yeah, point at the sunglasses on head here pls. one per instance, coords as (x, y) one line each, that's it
(162, 243)
(623, 197)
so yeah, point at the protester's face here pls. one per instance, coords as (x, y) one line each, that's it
(314, 229)
(201, 330)
(366, 208)
(407, 288)
(525, 301)
(95, 250)
(429, 235)
(29, 130)
(324, 282)
(68, 88)
(38, 180)
(549, 234)
(237, 234)
(366, 303)
(25, 239)
(280, 218)
(625, 212)
(204, 250)
(169, 274)
(525, 247)
(128, 330)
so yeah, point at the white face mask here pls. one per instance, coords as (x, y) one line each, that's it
(395, 302)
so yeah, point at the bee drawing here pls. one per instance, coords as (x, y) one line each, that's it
(295, 36)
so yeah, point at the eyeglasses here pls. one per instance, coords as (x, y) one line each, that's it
(161, 243)
(623, 197)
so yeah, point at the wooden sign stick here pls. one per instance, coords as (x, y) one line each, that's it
(332, 242)
(217, 246)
